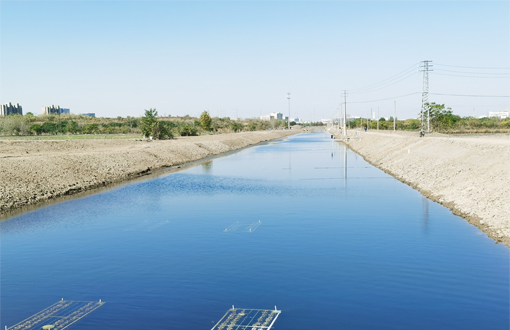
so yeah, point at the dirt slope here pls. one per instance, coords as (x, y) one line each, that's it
(33, 172)
(470, 174)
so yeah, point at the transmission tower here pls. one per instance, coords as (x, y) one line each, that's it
(425, 67)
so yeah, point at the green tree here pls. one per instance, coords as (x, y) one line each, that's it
(252, 126)
(205, 121)
(148, 122)
(441, 117)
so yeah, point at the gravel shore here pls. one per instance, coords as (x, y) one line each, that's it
(35, 171)
(469, 174)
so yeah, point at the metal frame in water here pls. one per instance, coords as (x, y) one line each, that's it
(247, 319)
(58, 316)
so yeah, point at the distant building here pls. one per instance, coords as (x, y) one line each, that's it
(11, 109)
(500, 114)
(89, 114)
(272, 115)
(64, 111)
(51, 110)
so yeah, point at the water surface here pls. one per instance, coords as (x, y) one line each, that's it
(335, 244)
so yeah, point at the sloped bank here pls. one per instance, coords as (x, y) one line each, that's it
(469, 174)
(33, 172)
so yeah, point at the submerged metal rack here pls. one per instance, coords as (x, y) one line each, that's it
(58, 316)
(247, 319)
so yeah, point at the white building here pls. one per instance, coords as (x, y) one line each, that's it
(51, 110)
(273, 115)
(11, 109)
(500, 114)
(54, 110)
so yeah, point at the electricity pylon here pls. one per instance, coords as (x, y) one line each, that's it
(425, 67)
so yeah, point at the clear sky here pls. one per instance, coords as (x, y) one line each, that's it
(117, 58)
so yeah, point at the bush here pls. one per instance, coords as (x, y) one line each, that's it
(91, 129)
(161, 131)
(36, 128)
(505, 124)
(14, 125)
(188, 130)
(236, 127)
(49, 128)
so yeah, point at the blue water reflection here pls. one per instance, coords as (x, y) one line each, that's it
(341, 245)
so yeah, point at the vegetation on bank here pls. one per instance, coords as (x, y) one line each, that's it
(442, 120)
(151, 124)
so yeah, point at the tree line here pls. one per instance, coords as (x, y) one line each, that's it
(151, 124)
(442, 119)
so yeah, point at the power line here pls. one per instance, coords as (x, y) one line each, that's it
(473, 67)
(470, 95)
(379, 88)
(398, 75)
(464, 76)
(389, 98)
(505, 73)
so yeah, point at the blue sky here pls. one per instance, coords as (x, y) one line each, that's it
(117, 58)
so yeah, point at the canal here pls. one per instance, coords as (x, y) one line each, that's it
(302, 223)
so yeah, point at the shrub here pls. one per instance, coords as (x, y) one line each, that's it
(36, 128)
(91, 129)
(188, 130)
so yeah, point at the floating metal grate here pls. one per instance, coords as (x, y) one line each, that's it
(247, 319)
(58, 316)
(239, 226)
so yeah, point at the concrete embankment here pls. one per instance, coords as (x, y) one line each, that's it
(34, 171)
(469, 174)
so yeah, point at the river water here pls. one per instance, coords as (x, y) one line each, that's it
(301, 223)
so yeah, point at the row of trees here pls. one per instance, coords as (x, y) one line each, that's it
(442, 119)
(148, 125)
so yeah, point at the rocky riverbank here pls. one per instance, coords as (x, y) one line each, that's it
(35, 171)
(469, 174)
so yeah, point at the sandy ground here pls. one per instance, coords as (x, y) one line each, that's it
(470, 174)
(33, 172)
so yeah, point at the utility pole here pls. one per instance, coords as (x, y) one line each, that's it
(288, 120)
(378, 118)
(345, 112)
(394, 115)
(425, 67)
